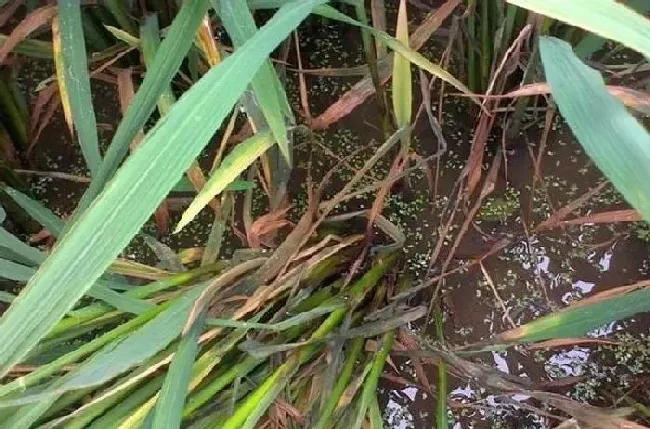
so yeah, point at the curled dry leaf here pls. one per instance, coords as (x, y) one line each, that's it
(630, 97)
(629, 215)
(264, 227)
(38, 18)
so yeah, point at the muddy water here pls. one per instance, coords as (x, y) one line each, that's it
(535, 275)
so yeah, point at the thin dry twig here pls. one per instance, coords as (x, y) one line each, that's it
(502, 304)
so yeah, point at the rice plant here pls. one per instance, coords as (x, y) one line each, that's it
(299, 329)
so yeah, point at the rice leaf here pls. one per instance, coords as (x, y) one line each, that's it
(169, 408)
(32, 22)
(26, 254)
(121, 355)
(165, 65)
(120, 11)
(100, 233)
(79, 353)
(31, 48)
(271, 99)
(376, 420)
(402, 91)
(612, 137)
(581, 318)
(37, 211)
(592, 43)
(75, 75)
(122, 35)
(59, 64)
(609, 19)
(13, 271)
(370, 384)
(238, 160)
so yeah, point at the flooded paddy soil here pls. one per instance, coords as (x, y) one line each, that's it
(533, 275)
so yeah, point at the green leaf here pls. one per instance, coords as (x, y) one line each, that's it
(77, 81)
(613, 139)
(184, 185)
(240, 25)
(402, 91)
(165, 65)
(35, 257)
(238, 160)
(32, 48)
(592, 43)
(607, 18)
(579, 319)
(169, 408)
(13, 271)
(100, 233)
(122, 35)
(122, 355)
(47, 370)
(149, 33)
(37, 211)
(370, 384)
(25, 253)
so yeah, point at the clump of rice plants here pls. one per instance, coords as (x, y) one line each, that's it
(297, 325)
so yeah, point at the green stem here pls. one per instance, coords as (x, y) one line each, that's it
(96, 310)
(441, 416)
(83, 351)
(472, 71)
(371, 59)
(341, 383)
(370, 385)
(486, 49)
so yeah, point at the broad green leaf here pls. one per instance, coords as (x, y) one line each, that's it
(238, 160)
(397, 46)
(612, 137)
(592, 43)
(6, 297)
(122, 354)
(37, 211)
(150, 46)
(607, 18)
(578, 320)
(100, 233)
(240, 25)
(77, 81)
(13, 271)
(101, 290)
(47, 370)
(165, 65)
(402, 91)
(169, 407)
